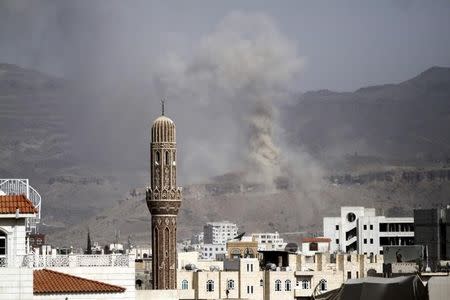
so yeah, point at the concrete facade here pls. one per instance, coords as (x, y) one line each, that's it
(360, 229)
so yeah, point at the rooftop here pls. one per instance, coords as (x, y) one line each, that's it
(9, 204)
(51, 282)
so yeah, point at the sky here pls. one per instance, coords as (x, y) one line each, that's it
(347, 44)
(224, 66)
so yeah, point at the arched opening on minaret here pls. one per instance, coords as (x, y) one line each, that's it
(157, 157)
(167, 158)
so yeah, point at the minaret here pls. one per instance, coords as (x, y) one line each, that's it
(163, 201)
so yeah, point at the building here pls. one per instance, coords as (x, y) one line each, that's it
(242, 248)
(313, 245)
(269, 241)
(218, 233)
(360, 229)
(163, 201)
(30, 275)
(213, 251)
(432, 230)
(292, 276)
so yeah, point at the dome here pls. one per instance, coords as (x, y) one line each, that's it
(163, 130)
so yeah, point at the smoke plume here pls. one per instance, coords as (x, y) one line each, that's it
(246, 67)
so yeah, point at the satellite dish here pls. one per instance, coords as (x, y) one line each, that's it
(291, 247)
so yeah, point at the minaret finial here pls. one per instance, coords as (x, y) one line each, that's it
(162, 106)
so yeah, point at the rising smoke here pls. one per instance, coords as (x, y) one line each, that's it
(246, 66)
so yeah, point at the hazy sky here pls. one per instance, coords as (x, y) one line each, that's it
(347, 44)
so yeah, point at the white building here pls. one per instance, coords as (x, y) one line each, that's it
(313, 245)
(269, 241)
(28, 275)
(360, 229)
(213, 251)
(244, 279)
(218, 233)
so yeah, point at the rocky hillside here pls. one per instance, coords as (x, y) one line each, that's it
(406, 120)
(285, 210)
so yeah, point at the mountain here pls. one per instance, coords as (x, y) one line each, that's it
(39, 133)
(406, 120)
(382, 146)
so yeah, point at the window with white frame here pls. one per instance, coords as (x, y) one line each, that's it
(287, 285)
(2, 244)
(305, 284)
(277, 285)
(323, 285)
(184, 284)
(230, 284)
(210, 286)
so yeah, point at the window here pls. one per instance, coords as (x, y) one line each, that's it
(305, 284)
(248, 268)
(351, 217)
(249, 289)
(349, 275)
(287, 285)
(357, 274)
(337, 227)
(277, 285)
(365, 241)
(337, 241)
(365, 227)
(261, 282)
(2, 244)
(371, 227)
(323, 285)
(157, 157)
(371, 241)
(167, 158)
(210, 286)
(230, 284)
(251, 268)
(184, 284)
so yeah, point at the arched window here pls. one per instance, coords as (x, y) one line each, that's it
(305, 284)
(157, 157)
(184, 284)
(261, 282)
(167, 158)
(210, 286)
(323, 285)
(277, 285)
(287, 285)
(230, 284)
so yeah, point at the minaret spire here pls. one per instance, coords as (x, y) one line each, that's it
(162, 106)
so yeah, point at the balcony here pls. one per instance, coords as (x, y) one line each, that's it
(51, 261)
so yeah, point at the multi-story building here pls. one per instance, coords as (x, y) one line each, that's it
(218, 233)
(432, 230)
(269, 241)
(213, 251)
(215, 237)
(360, 229)
(295, 278)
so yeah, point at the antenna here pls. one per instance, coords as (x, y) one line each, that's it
(162, 106)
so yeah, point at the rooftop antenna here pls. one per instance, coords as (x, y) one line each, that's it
(162, 106)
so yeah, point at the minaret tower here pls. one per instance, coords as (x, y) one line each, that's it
(163, 201)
